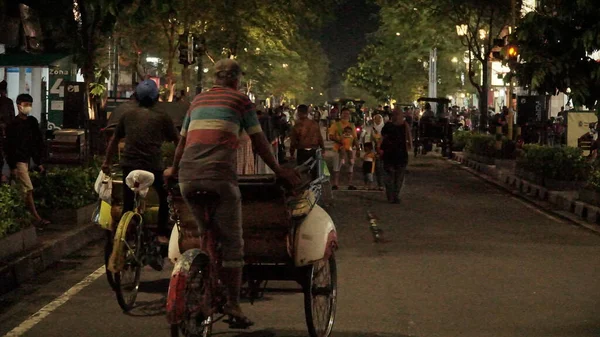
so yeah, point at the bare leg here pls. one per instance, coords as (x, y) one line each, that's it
(31, 205)
(336, 178)
(232, 278)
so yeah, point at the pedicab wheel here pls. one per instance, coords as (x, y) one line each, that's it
(195, 324)
(320, 297)
(127, 281)
(108, 246)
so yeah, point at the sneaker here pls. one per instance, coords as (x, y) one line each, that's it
(352, 188)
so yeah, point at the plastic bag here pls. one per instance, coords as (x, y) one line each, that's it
(102, 215)
(103, 187)
(144, 180)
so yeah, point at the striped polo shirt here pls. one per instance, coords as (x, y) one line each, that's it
(212, 128)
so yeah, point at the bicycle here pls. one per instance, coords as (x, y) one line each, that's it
(134, 246)
(204, 292)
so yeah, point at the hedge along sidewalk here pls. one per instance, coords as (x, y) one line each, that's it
(561, 204)
(54, 243)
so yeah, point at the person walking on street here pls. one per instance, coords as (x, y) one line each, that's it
(205, 161)
(144, 130)
(368, 165)
(373, 135)
(305, 137)
(395, 146)
(24, 143)
(7, 114)
(336, 132)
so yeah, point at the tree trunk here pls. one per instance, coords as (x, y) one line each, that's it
(483, 98)
(170, 63)
(185, 77)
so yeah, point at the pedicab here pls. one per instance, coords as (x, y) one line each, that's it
(287, 237)
(437, 130)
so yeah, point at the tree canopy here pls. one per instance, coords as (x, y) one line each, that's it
(394, 65)
(555, 47)
(272, 39)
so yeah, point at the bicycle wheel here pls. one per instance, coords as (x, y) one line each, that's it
(195, 323)
(127, 280)
(320, 297)
(108, 247)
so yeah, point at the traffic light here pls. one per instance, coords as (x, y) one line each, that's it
(198, 42)
(184, 50)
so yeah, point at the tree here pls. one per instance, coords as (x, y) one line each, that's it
(479, 23)
(246, 30)
(395, 62)
(555, 53)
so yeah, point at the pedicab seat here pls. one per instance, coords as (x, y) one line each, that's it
(266, 220)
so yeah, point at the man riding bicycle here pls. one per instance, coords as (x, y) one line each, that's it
(205, 160)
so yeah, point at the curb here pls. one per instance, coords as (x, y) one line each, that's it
(562, 205)
(25, 267)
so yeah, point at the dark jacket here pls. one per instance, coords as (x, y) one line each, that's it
(7, 113)
(24, 141)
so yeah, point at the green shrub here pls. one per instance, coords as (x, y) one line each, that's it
(481, 145)
(459, 140)
(509, 149)
(65, 188)
(13, 213)
(594, 180)
(560, 163)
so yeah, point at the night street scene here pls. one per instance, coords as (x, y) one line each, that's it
(289, 168)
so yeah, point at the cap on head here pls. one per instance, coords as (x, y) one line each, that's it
(228, 68)
(146, 92)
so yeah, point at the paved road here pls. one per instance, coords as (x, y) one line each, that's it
(464, 259)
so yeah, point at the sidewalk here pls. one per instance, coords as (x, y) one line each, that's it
(54, 243)
(562, 204)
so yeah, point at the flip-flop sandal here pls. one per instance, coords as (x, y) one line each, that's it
(42, 224)
(236, 321)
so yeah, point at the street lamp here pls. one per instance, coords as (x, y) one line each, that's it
(454, 59)
(461, 30)
(397, 33)
(482, 33)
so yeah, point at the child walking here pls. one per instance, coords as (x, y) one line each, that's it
(346, 156)
(368, 165)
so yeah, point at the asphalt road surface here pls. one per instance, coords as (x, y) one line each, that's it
(462, 259)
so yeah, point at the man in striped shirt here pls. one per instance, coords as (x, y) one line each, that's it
(205, 160)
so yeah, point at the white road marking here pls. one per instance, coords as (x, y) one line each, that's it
(50, 307)
(537, 210)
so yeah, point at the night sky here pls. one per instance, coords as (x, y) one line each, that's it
(344, 38)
